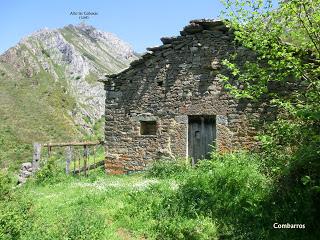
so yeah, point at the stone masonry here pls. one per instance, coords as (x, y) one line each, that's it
(167, 85)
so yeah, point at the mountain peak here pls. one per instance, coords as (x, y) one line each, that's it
(61, 67)
(81, 26)
(84, 26)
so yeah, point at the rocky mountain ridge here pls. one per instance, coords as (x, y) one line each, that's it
(78, 54)
(48, 82)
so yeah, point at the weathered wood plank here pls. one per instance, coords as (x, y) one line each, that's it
(74, 164)
(69, 154)
(201, 137)
(85, 158)
(79, 161)
(49, 152)
(94, 154)
(65, 144)
(93, 166)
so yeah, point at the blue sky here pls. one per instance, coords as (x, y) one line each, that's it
(139, 22)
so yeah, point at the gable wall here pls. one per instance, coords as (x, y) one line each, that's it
(177, 79)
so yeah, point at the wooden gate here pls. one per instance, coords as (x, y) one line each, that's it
(79, 156)
(201, 136)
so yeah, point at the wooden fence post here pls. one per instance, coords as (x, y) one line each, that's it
(49, 151)
(85, 155)
(94, 155)
(79, 160)
(36, 156)
(68, 158)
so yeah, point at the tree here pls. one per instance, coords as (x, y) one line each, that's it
(286, 43)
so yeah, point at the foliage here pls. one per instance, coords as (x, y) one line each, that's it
(185, 228)
(236, 196)
(5, 184)
(229, 189)
(50, 172)
(78, 220)
(286, 44)
(69, 208)
(220, 197)
(230, 196)
(14, 217)
(14, 210)
(284, 69)
(224, 185)
(164, 168)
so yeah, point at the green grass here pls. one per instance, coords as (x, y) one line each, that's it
(232, 196)
(79, 209)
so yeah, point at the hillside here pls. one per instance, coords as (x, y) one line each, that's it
(49, 89)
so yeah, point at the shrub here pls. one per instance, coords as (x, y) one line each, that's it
(142, 206)
(12, 212)
(235, 177)
(163, 168)
(14, 217)
(219, 198)
(14, 209)
(85, 224)
(50, 172)
(229, 188)
(5, 184)
(184, 228)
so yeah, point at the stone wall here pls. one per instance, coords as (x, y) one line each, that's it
(168, 83)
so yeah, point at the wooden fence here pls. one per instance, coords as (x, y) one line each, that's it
(80, 163)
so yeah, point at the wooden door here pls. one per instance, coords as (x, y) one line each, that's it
(201, 136)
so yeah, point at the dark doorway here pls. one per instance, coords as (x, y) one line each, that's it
(201, 136)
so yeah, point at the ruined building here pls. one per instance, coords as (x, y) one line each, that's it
(171, 103)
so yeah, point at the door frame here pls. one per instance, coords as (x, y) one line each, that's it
(204, 117)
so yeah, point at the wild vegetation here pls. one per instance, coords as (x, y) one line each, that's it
(239, 195)
(286, 42)
(31, 109)
(230, 196)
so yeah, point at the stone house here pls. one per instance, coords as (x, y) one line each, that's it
(171, 103)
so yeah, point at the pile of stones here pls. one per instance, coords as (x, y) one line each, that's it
(25, 172)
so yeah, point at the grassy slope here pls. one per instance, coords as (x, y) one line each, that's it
(32, 109)
(82, 208)
(231, 197)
